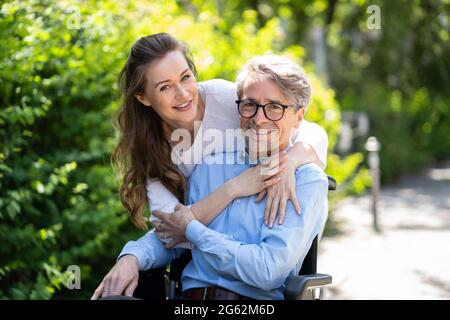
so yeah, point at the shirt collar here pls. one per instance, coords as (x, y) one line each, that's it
(243, 156)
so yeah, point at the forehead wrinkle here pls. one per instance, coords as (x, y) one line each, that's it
(275, 98)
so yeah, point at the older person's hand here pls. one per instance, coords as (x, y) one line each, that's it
(121, 279)
(173, 225)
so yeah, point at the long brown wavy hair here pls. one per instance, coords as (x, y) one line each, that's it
(143, 150)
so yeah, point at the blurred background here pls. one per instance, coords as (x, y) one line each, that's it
(379, 69)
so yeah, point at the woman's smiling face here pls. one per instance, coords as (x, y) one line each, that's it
(171, 90)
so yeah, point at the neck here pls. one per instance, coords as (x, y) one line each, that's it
(255, 155)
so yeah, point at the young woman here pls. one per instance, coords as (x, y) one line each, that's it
(161, 95)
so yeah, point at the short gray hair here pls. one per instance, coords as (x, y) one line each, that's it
(287, 74)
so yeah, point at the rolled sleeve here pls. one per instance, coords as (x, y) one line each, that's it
(150, 252)
(315, 136)
(194, 231)
(134, 249)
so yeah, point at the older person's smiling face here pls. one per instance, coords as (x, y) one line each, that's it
(260, 129)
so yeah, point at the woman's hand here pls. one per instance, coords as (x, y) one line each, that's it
(258, 178)
(278, 194)
(173, 225)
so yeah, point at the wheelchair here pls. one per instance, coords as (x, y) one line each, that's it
(160, 284)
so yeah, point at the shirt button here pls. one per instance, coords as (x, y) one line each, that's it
(238, 200)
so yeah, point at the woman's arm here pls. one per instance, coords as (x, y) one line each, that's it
(302, 153)
(310, 144)
(207, 209)
(250, 182)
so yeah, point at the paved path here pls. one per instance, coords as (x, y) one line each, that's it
(409, 259)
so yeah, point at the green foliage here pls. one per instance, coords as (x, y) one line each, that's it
(413, 130)
(58, 197)
(399, 75)
(59, 203)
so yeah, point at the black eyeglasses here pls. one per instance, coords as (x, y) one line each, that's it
(273, 111)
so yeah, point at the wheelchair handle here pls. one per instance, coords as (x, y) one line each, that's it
(332, 185)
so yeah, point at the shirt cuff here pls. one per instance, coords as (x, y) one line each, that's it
(194, 231)
(135, 250)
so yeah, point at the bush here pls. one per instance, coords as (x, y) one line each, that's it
(58, 201)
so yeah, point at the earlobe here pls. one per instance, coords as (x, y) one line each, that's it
(142, 100)
(300, 116)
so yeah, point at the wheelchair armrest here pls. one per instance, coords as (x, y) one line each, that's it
(297, 286)
(332, 184)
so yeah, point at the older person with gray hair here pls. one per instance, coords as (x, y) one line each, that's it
(288, 76)
(237, 256)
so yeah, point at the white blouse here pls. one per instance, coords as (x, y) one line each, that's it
(221, 114)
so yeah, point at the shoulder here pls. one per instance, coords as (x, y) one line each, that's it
(311, 174)
(218, 87)
(221, 98)
(312, 190)
(312, 127)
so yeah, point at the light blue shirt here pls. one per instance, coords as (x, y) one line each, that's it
(237, 251)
